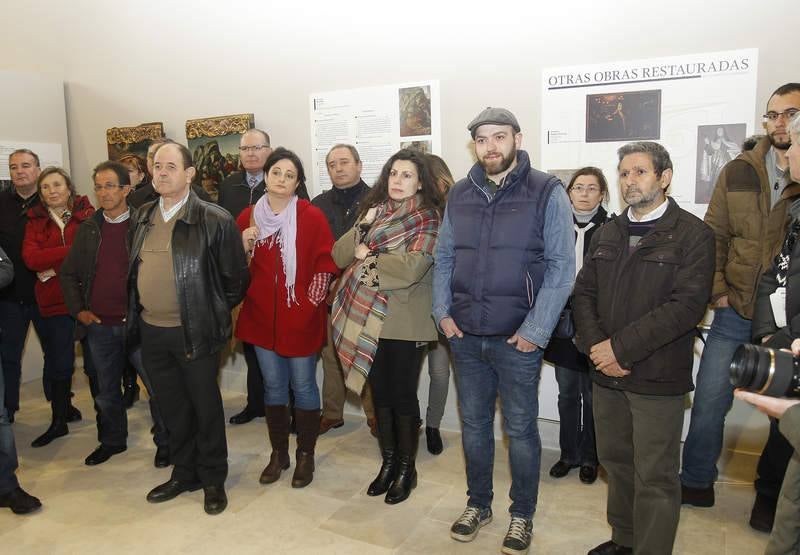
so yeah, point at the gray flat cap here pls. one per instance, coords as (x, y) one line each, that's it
(497, 116)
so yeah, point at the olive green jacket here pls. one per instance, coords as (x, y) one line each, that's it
(406, 278)
(785, 537)
(748, 233)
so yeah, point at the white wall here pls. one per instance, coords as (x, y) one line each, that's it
(127, 63)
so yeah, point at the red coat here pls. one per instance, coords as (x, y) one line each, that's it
(265, 319)
(44, 248)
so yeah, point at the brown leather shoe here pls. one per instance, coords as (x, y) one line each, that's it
(373, 426)
(326, 424)
(278, 462)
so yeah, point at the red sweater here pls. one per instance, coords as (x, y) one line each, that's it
(44, 247)
(265, 319)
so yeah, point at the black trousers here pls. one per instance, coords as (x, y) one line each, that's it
(190, 402)
(394, 375)
(772, 463)
(255, 383)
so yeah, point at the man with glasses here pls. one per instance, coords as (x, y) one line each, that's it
(237, 192)
(748, 213)
(94, 282)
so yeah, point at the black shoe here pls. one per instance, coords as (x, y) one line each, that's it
(57, 429)
(611, 548)
(588, 474)
(20, 501)
(697, 497)
(434, 440)
(215, 500)
(103, 453)
(469, 523)
(243, 417)
(162, 457)
(519, 535)
(11, 417)
(73, 414)
(561, 469)
(171, 490)
(762, 516)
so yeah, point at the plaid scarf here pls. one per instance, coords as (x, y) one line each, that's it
(359, 308)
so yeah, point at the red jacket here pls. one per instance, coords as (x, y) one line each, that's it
(44, 247)
(265, 319)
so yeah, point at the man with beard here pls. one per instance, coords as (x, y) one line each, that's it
(748, 213)
(643, 288)
(505, 263)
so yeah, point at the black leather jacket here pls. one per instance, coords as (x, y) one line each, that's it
(210, 269)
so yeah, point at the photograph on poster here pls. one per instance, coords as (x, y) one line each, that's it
(716, 146)
(420, 146)
(214, 144)
(623, 116)
(132, 140)
(415, 111)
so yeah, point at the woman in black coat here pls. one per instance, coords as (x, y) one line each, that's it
(587, 189)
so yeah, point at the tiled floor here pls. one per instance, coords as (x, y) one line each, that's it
(103, 509)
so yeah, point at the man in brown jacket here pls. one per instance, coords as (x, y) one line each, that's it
(643, 288)
(748, 213)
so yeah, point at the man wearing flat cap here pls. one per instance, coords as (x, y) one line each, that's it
(505, 264)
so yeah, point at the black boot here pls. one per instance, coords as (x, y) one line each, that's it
(130, 386)
(60, 400)
(307, 433)
(388, 444)
(407, 429)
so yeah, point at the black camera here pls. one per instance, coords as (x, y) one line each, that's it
(766, 371)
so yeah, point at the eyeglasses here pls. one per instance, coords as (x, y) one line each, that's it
(585, 188)
(106, 187)
(254, 148)
(788, 114)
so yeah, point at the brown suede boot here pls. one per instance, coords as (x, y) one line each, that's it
(278, 426)
(307, 431)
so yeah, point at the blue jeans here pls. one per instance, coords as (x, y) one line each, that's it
(8, 449)
(278, 371)
(107, 348)
(713, 397)
(576, 423)
(485, 366)
(15, 319)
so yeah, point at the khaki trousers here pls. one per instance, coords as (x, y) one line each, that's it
(333, 389)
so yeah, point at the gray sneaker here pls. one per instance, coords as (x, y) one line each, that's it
(471, 520)
(518, 537)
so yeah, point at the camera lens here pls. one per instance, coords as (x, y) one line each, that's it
(765, 371)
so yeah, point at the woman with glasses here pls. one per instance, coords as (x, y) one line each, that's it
(587, 189)
(381, 316)
(49, 234)
(283, 315)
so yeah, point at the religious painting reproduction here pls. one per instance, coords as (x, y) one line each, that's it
(415, 111)
(623, 116)
(132, 140)
(214, 144)
(716, 146)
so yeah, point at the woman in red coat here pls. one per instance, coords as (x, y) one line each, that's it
(283, 314)
(49, 233)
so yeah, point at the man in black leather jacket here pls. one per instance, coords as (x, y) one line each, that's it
(188, 269)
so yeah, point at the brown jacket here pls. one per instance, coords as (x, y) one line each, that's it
(646, 299)
(748, 233)
(407, 280)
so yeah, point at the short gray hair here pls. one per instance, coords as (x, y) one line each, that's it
(260, 132)
(25, 151)
(794, 125)
(351, 148)
(658, 154)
